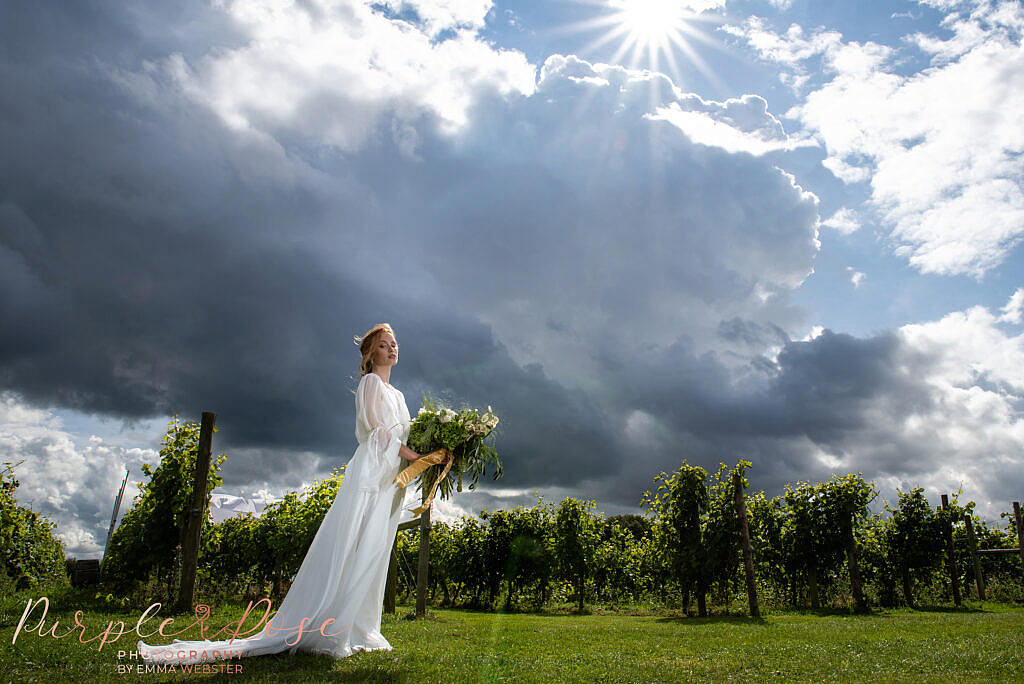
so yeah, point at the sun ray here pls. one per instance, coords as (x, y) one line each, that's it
(603, 39)
(700, 64)
(623, 49)
(670, 56)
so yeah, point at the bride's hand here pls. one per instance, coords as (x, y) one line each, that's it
(444, 452)
(408, 454)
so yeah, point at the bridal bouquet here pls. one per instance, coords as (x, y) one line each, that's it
(461, 433)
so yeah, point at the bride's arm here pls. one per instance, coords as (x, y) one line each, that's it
(369, 409)
(371, 413)
(407, 453)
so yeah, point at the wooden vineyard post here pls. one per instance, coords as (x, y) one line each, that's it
(424, 561)
(979, 579)
(197, 515)
(1020, 532)
(954, 577)
(860, 605)
(812, 585)
(748, 558)
(391, 587)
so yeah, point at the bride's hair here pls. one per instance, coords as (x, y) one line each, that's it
(366, 343)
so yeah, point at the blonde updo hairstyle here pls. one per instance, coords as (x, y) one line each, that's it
(367, 343)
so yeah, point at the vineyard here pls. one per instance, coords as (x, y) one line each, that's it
(685, 551)
(815, 545)
(575, 595)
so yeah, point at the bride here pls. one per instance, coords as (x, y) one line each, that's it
(339, 589)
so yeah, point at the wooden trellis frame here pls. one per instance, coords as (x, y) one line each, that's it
(976, 553)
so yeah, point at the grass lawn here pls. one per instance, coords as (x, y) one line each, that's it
(983, 643)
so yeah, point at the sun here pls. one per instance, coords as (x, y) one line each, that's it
(652, 33)
(650, 21)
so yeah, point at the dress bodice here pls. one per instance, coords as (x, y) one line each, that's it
(380, 405)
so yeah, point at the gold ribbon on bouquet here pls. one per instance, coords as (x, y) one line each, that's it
(418, 466)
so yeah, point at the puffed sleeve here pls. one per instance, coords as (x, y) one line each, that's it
(374, 416)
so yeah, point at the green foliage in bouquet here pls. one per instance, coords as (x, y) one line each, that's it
(462, 433)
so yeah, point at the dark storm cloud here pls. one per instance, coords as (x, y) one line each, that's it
(150, 269)
(161, 264)
(611, 288)
(836, 395)
(751, 333)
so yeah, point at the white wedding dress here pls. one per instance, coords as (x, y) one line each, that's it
(345, 569)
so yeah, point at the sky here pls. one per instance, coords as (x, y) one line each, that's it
(774, 230)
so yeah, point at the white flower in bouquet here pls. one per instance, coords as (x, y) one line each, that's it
(463, 434)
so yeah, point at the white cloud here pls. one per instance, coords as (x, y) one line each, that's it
(736, 125)
(969, 347)
(974, 429)
(72, 479)
(701, 5)
(812, 334)
(844, 221)
(856, 277)
(968, 34)
(945, 4)
(1014, 308)
(789, 49)
(439, 15)
(338, 67)
(942, 148)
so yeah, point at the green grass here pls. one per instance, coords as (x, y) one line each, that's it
(983, 643)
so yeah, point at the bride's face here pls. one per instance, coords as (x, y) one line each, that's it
(385, 350)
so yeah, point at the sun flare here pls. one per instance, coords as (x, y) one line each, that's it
(651, 21)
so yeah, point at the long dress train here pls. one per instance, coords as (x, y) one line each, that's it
(343, 574)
